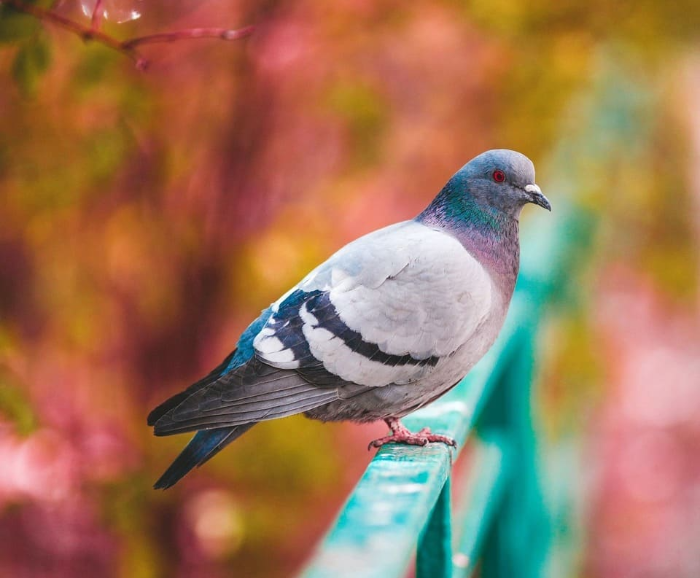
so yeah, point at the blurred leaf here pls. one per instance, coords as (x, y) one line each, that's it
(15, 26)
(32, 60)
(14, 405)
(365, 112)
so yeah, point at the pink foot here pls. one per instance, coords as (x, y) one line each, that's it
(401, 435)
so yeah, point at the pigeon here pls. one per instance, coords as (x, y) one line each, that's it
(386, 325)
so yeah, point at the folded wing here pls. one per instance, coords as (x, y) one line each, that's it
(385, 309)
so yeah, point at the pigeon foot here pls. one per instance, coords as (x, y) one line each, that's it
(402, 435)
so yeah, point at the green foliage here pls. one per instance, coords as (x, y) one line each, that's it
(572, 373)
(667, 220)
(15, 26)
(31, 62)
(364, 111)
(15, 406)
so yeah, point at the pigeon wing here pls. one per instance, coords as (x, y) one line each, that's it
(251, 393)
(384, 309)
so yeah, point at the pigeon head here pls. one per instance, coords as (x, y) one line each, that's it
(500, 179)
(490, 188)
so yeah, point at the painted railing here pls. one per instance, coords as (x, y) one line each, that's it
(401, 507)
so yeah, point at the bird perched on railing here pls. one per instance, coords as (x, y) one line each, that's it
(386, 325)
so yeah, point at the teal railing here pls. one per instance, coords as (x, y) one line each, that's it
(402, 505)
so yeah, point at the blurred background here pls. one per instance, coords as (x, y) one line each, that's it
(147, 217)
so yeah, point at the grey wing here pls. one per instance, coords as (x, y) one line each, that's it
(251, 393)
(385, 309)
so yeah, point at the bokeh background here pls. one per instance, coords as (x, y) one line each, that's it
(147, 217)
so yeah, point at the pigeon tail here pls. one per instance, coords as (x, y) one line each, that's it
(176, 400)
(203, 446)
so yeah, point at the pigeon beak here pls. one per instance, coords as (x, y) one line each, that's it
(537, 197)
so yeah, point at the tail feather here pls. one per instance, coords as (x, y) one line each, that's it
(176, 400)
(252, 392)
(202, 447)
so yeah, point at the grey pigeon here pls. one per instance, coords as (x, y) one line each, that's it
(386, 325)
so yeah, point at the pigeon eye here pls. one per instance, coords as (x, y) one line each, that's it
(499, 176)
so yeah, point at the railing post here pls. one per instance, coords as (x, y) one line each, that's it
(434, 555)
(482, 493)
(519, 540)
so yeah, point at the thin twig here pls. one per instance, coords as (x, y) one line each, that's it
(97, 14)
(126, 47)
(190, 34)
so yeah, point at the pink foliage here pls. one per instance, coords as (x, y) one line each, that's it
(645, 520)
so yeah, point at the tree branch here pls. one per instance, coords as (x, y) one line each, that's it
(190, 33)
(126, 47)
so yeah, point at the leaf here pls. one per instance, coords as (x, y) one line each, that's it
(32, 60)
(15, 406)
(16, 26)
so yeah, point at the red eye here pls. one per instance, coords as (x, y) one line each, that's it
(499, 176)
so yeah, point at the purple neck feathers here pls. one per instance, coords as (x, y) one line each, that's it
(496, 248)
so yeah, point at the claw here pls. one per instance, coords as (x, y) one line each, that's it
(401, 435)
